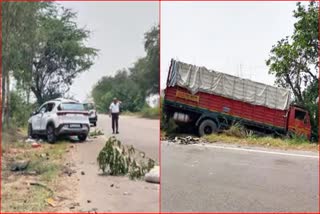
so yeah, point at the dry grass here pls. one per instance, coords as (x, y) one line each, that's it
(264, 142)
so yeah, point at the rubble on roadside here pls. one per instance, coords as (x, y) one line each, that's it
(185, 140)
(19, 165)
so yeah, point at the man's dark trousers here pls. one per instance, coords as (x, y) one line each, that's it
(115, 118)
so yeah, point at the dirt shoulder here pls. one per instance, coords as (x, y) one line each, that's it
(47, 183)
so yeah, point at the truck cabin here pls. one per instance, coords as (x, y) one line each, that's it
(299, 121)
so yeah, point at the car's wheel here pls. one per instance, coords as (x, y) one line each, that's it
(82, 137)
(51, 136)
(30, 131)
(95, 124)
(207, 127)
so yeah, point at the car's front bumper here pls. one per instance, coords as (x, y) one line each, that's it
(65, 129)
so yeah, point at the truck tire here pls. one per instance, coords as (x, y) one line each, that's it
(51, 136)
(207, 127)
(82, 137)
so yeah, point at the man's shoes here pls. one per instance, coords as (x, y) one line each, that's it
(117, 132)
(113, 132)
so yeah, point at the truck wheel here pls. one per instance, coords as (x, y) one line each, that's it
(207, 127)
(95, 124)
(82, 137)
(51, 136)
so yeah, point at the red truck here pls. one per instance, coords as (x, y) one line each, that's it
(212, 101)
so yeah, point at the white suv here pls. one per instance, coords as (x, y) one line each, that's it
(59, 117)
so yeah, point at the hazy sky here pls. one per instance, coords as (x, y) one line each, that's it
(118, 31)
(230, 37)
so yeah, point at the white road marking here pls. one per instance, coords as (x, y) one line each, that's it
(258, 151)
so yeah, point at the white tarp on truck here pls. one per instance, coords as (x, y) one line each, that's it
(197, 79)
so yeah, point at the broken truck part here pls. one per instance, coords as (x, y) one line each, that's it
(212, 101)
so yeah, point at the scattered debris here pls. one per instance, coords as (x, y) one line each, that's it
(82, 173)
(112, 185)
(89, 201)
(30, 140)
(31, 173)
(67, 170)
(45, 155)
(19, 165)
(73, 205)
(126, 193)
(186, 140)
(153, 176)
(60, 198)
(35, 145)
(51, 202)
(41, 185)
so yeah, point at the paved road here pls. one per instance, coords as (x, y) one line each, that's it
(117, 194)
(216, 179)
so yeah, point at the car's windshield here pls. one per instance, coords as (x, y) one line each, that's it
(88, 106)
(71, 106)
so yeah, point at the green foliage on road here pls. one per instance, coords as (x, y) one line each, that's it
(118, 159)
(132, 85)
(43, 51)
(294, 61)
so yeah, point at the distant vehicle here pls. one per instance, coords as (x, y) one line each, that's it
(211, 101)
(93, 117)
(59, 117)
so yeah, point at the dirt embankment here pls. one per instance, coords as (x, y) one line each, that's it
(37, 178)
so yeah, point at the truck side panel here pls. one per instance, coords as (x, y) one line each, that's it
(235, 108)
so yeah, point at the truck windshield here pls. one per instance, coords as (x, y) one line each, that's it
(88, 106)
(71, 106)
(300, 115)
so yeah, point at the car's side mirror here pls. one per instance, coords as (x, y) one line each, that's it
(33, 113)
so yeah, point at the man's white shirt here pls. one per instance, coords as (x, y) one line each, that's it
(114, 107)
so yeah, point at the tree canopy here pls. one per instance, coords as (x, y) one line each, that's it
(294, 60)
(43, 50)
(132, 85)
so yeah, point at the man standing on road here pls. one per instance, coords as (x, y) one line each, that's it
(114, 111)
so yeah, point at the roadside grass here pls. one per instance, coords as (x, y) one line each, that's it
(146, 112)
(46, 165)
(238, 134)
(294, 143)
(149, 112)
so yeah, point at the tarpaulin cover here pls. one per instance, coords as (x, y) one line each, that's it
(195, 79)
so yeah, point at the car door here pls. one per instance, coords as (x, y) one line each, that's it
(46, 115)
(36, 120)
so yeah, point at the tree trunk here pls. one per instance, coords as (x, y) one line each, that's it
(3, 94)
(7, 116)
